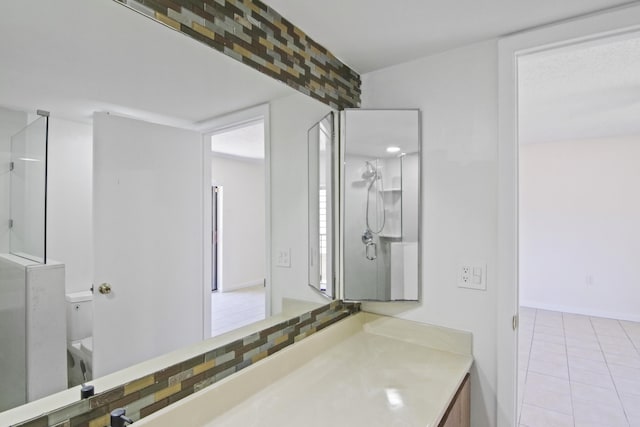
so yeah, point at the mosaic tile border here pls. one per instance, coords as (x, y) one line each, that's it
(258, 36)
(153, 392)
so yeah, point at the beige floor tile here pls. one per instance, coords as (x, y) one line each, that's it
(590, 414)
(548, 399)
(631, 404)
(632, 361)
(554, 369)
(231, 310)
(602, 367)
(589, 343)
(553, 339)
(621, 341)
(617, 349)
(581, 376)
(582, 333)
(547, 356)
(627, 386)
(595, 394)
(609, 330)
(585, 353)
(549, 347)
(588, 365)
(541, 382)
(533, 416)
(548, 330)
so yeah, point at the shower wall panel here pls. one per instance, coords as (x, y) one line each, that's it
(10, 123)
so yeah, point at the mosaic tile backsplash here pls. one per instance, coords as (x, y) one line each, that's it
(258, 36)
(148, 394)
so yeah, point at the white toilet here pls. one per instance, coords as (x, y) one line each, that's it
(79, 337)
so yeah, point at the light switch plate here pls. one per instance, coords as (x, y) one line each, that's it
(473, 275)
(283, 258)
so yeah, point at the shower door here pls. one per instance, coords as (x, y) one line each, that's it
(29, 191)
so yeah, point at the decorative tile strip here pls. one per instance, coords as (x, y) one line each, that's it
(153, 392)
(258, 36)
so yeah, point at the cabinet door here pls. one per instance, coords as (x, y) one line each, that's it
(380, 226)
(458, 414)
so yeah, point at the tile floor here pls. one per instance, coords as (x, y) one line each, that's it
(231, 310)
(577, 370)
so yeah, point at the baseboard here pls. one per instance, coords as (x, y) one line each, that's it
(581, 310)
(236, 286)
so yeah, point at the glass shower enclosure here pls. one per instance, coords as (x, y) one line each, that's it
(28, 191)
(23, 189)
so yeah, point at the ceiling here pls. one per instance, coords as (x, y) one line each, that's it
(246, 141)
(585, 91)
(74, 57)
(371, 34)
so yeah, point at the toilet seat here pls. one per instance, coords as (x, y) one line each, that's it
(87, 345)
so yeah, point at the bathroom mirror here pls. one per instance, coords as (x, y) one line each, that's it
(381, 204)
(321, 144)
(130, 66)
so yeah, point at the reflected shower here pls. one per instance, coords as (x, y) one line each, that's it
(376, 183)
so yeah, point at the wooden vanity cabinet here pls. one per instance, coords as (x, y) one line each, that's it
(458, 413)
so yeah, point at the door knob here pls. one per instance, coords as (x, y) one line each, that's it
(104, 289)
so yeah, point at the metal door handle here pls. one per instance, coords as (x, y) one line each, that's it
(104, 289)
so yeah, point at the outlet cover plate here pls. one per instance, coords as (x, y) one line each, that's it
(473, 275)
(283, 258)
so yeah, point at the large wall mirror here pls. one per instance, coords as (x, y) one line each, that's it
(155, 83)
(381, 204)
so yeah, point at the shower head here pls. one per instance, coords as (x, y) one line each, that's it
(370, 171)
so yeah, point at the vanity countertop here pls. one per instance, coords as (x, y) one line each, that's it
(365, 370)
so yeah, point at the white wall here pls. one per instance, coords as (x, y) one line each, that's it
(11, 122)
(69, 222)
(290, 119)
(457, 94)
(13, 331)
(243, 220)
(580, 226)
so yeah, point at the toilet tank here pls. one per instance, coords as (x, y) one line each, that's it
(79, 315)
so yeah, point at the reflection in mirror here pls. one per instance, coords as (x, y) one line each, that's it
(146, 55)
(27, 178)
(381, 204)
(321, 151)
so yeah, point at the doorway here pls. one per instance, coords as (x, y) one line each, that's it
(617, 21)
(579, 144)
(238, 208)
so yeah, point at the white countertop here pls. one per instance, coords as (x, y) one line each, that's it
(366, 370)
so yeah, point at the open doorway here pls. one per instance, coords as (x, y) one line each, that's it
(238, 215)
(579, 234)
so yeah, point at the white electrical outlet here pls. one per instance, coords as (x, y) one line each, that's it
(473, 276)
(283, 258)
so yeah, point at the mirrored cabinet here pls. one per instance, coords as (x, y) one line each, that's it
(373, 223)
(321, 140)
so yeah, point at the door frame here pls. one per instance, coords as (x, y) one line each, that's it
(612, 22)
(208, 128)
(216, 235)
